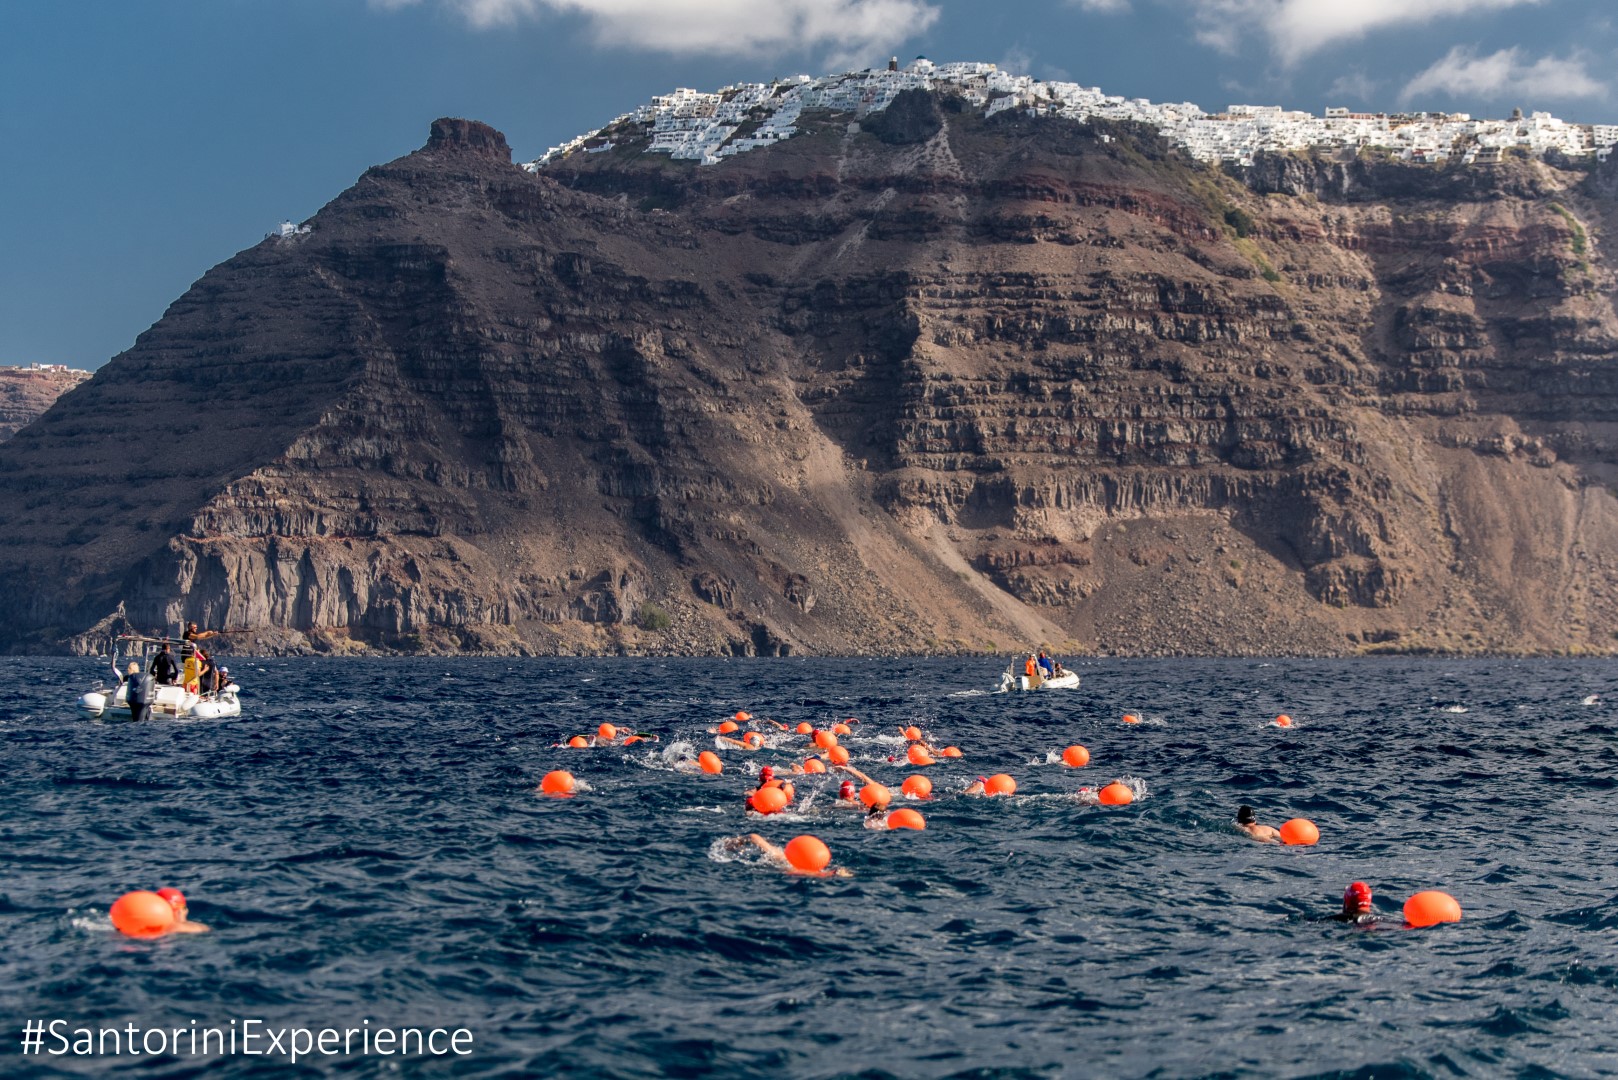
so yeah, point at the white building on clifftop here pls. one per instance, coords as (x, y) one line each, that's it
(709, 127)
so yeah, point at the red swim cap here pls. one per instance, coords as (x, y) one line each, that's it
(175, 897)
(846, 790)
(766, 773)
(1358, 894)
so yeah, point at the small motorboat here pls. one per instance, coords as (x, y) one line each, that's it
(1012, 679)
(170, 700)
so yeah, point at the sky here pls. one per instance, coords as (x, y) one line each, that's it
(144, 141)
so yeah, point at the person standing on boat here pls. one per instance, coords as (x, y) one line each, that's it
(193, 634)
(163, 668)
(139, 688)
(1047, 665)
(190, 666)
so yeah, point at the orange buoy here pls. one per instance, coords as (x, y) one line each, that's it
(1431, 907)
(1300, 831)
(808, 853)
(1116, 794)
(607, 732)
(951, 751)
(709, 762)
(825, 740)
(727, 727)
(913, 733)
(631, 740)
(804, 728)
(559, 782)
(838, 755)
(752, 740)
(918, 755)
(917, 787)
(841, 729)
(906, 818)
(141, 914)
(578, 741)
(743, 717)
(814, 765)
(770, 800)
(999, 784)
(1131, 718)
(1076, 756)
(1283, 720)
(875, 795)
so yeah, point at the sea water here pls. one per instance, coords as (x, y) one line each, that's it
(367, 844)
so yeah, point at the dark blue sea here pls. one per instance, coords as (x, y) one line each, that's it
(368, 847)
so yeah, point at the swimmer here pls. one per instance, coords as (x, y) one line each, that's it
(182, 924)
(876, 816)
(1356, 905)
(848, 798)
(779, 856)
(980, 786)
(1247, 822)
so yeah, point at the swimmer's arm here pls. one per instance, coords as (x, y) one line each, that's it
(733, 742)
(777, 723)
(769, 849)
(852, 770)
(188, 927)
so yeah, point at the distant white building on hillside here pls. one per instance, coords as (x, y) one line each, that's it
(709, 127)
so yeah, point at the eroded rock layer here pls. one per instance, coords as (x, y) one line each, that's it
(969, 385)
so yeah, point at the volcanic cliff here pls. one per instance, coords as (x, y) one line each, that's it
(938, 382)
(26, 392)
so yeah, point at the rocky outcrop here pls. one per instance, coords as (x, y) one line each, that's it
(953, 384)
(25, 394)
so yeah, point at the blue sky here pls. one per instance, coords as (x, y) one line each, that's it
(143, 142)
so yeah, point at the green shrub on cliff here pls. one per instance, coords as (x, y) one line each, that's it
(652, 617)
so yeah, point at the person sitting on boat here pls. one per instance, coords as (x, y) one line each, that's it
(163, 668)
(1046, 664)
(1060, 670)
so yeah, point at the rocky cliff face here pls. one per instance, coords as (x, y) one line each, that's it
(953, 384)
(25, 394)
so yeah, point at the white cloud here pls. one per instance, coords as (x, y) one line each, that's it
(1505, 74)
(1299, 28)
(1102, 7)
(852, 27)
(1355, 86)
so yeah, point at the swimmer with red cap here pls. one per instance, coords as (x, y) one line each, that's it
(1356, 905)
(848, 798)
(182, 924)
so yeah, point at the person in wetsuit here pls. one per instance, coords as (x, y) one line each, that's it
(1356, 905)
(163, 668)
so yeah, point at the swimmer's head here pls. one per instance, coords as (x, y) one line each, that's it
(876, 809)
(175, 897)
(847, 790)
(1357, 897)
(766, 774)
(1245, 815)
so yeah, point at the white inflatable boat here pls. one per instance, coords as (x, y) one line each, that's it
(1012, 680)
(169, 700)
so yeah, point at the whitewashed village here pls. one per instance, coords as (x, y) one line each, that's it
(709, 127)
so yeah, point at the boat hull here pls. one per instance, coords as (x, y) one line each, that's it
(1065, 681)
